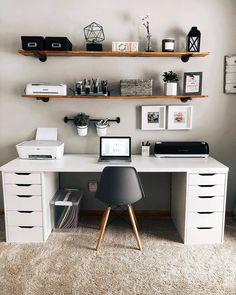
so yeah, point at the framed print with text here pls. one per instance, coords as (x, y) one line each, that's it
(192, 83)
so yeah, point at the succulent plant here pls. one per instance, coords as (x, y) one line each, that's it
(170, 77)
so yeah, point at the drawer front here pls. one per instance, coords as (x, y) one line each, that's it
(23, 189)
(204, 235)
(20, 218)
(230, 87)
(206, 178)
(23, 202)
(204, 219)
(22, 178)
(206, 190)
(206, 204)
(25, 234)
(231, 60)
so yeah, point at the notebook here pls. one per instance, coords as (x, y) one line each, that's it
(115, 149)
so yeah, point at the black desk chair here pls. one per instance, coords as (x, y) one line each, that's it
(119, 186)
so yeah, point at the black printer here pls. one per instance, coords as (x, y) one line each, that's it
(181, 149)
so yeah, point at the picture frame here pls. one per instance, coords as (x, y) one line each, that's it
(192, 83)
(153, 117)
(180, 117)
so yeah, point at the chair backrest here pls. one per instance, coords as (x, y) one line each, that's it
(119, 185)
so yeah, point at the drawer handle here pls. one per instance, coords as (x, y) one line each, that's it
(205, 212)
(24, 196)
(206, 174)
(24, 226)
(22, 173)
(205, 227)
(25, 211)
(207, 185)
(206, 197)
(23, 184)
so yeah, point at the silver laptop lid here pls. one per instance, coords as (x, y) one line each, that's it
(115, 146)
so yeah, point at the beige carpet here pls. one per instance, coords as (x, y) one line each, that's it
(68, 264)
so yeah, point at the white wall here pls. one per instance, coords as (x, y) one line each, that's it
(214, 118)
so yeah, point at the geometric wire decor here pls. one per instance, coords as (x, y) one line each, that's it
(94, 33)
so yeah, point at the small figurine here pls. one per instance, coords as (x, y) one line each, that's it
(94, 34)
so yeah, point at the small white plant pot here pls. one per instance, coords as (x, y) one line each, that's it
(170, 88)
(82, 130)
(101, 130)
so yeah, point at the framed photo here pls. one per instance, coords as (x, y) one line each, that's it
(153, 117)
(192, 83)
(180, 117)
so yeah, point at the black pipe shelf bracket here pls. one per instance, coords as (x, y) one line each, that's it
(44, 99)
(41, 57)
(117, 120)
(185, 99)
(185, 57)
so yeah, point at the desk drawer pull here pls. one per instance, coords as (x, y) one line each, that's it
(207, 174)
(21, 173)
(24, 196)
(23, 184)
(26, 226)
(205, 227)
(205, 212)
(206, 185)
(206, 197)
(25, 211)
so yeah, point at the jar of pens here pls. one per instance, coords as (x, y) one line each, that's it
(145, 152)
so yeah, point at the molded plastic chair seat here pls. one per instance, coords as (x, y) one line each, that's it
(119, 185)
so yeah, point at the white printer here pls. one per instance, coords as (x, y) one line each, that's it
(45, 146)
(46, 88)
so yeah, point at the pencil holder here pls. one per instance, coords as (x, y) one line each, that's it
(146, 151)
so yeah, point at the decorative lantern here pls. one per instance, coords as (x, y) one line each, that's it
(193, 40)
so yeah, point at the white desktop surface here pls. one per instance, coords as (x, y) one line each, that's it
(89, 163)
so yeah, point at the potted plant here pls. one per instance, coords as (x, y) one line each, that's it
(102, 127)
(170, 86)
(81, 121)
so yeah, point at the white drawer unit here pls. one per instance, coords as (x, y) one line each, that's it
(23, 189)
(22, 178)
(23, 234)
(204, 235)
(206, 190)
(24, 218)
(205, 204)
(23, 202)
(207, 179)
(205, 219)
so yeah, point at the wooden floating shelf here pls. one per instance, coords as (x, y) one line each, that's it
(116, 97)
(41, 53)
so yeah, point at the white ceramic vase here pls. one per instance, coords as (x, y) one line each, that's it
(101, 130)
(82, 130)
(170, 88)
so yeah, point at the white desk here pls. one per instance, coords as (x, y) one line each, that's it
(197, 203)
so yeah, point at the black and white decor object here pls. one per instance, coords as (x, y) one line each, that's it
(193, 40)
(94, 35)
(92, 87)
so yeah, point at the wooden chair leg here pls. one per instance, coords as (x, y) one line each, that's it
(135, 218)
(103, 227)
(134, 226)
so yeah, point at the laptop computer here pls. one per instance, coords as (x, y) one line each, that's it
(115, 149)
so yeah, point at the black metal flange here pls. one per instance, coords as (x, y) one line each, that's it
(41, 57)
(185, 99)
(185, 57)
(44, 99)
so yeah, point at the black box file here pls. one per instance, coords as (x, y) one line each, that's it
(33, 42)
(58, 43)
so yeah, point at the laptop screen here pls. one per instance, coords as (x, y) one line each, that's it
(115, 146)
